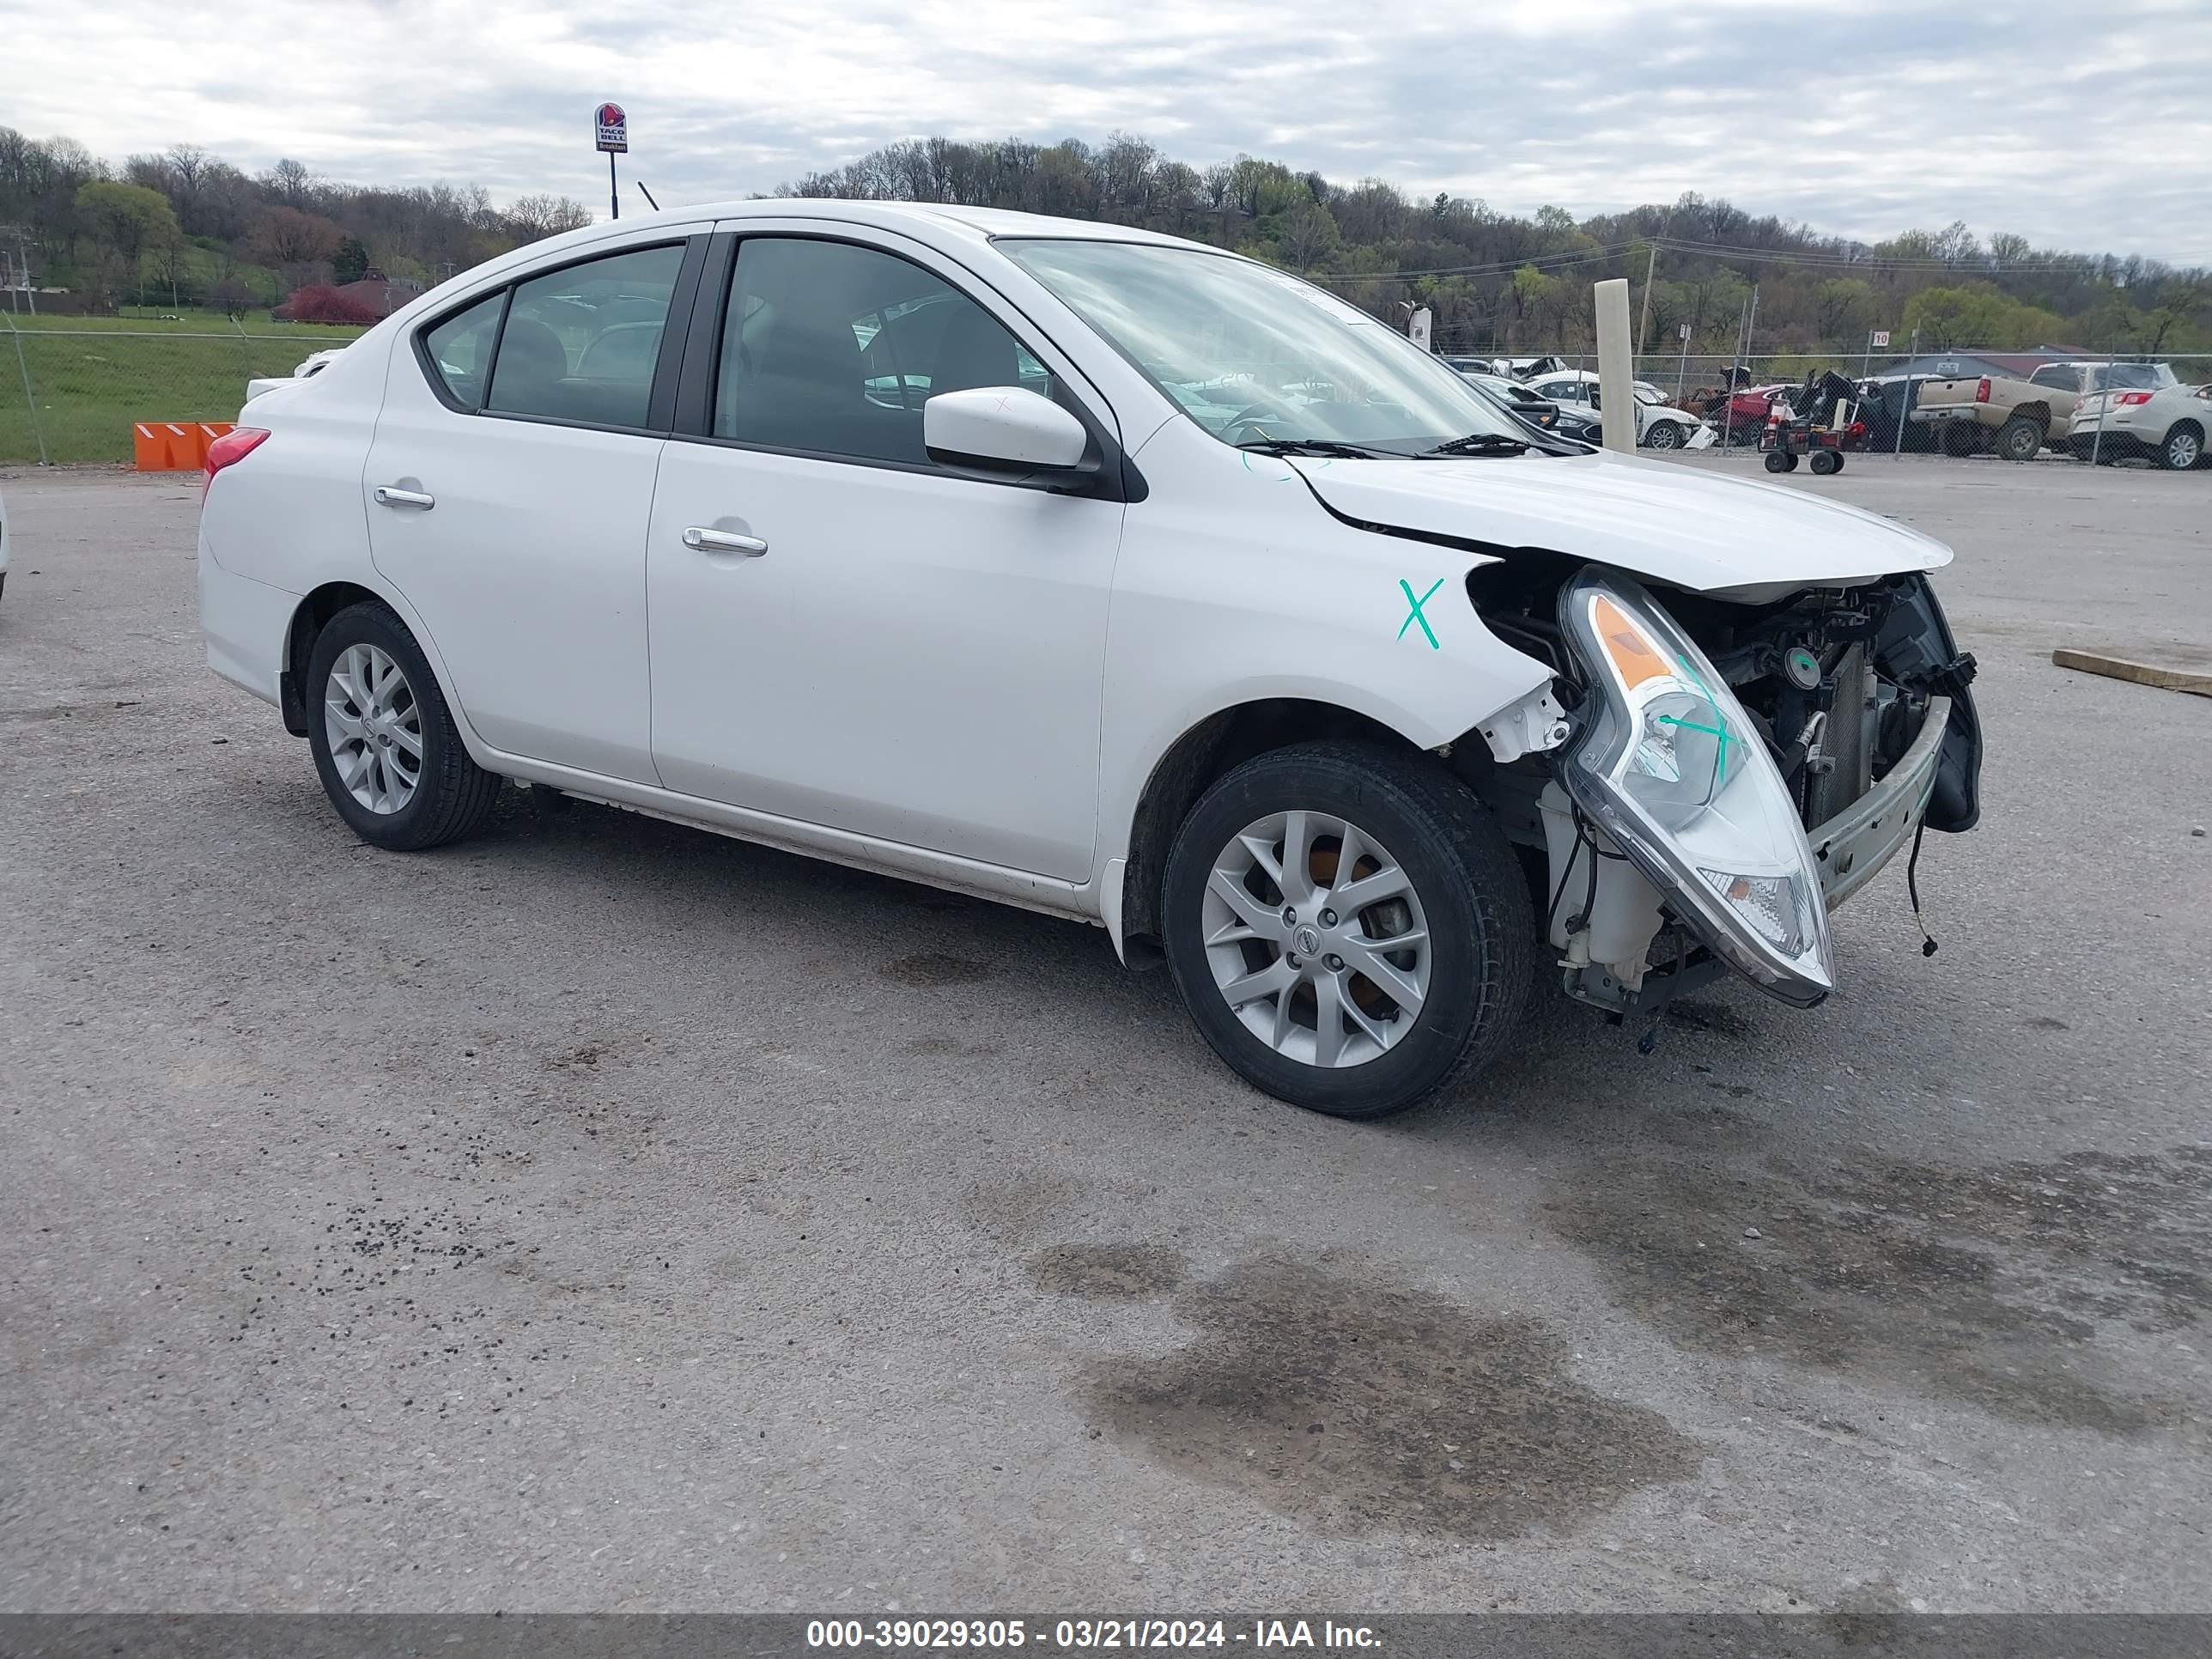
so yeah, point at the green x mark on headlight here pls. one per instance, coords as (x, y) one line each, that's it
(1668, 762)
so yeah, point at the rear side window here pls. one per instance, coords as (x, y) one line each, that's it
(460, 350)
(581, 343)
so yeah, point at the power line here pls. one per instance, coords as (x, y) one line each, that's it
(2083, 265)
(1863, 261)
(1540, 261)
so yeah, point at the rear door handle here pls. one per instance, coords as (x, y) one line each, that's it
(390, 495)
(723, 541)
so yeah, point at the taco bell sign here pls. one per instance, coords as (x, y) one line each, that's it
(613, 129)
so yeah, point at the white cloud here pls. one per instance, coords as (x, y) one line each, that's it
(1862, 120)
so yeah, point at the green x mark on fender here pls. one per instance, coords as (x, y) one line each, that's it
(1414, 615)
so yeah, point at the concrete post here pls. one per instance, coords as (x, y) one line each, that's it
(1616, 380)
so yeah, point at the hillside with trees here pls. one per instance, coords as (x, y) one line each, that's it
(1499, 283)
(185, 229)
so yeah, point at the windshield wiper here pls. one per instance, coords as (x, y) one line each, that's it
(1329, 447)
(1480, 443)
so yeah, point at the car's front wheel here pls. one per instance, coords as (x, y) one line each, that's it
(1664, 434)
(1347, 926)
(384, 743)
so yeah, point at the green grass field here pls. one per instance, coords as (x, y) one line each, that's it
(188, 322)
(92, 378)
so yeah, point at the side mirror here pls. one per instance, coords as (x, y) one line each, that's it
(1002, 429)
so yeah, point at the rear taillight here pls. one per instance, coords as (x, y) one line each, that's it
(2129, 400)
(1982, 391)
(233, 446)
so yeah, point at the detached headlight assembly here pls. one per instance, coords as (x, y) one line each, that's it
(1670, 764)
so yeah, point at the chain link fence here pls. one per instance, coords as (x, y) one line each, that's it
(1956, 402)
(72, 396)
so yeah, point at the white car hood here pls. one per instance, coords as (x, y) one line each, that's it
(1677, 525)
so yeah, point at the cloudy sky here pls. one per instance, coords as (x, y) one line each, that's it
(2083, 126)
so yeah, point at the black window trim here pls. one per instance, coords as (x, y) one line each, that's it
(1115, 478)
(660, 400)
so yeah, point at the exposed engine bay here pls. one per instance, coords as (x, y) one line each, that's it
(1838, 686)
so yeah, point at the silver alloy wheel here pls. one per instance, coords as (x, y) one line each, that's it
(374, 728)
(2183, 451)
(1664, 434)
(1316, 939)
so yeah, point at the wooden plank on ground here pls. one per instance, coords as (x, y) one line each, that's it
(2192, 680)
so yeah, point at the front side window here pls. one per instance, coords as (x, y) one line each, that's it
(460, 349)
(582, 342)
(833, 349)
(1253, 355)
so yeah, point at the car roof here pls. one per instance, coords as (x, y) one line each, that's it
(985, 222)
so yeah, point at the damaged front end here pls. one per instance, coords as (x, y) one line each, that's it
(1734, 770)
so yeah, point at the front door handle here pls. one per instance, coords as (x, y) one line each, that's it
(391, 495)
(723, 541)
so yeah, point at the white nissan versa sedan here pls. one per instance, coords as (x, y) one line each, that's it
(1100, 573)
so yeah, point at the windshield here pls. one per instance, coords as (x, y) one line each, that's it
(1256, 357)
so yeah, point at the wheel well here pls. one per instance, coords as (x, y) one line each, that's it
(2185, 424)
(1192, 763)
(2038, 413)
(308, 621)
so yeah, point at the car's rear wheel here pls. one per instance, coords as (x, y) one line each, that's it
(384, 743)
(2020, 439)
(2184, 448)
(1347, 926)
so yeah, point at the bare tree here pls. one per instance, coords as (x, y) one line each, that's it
(533, 218)
(296, 243)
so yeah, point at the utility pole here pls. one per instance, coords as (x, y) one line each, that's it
(1644, 322)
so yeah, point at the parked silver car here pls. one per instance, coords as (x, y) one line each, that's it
(2168, 424)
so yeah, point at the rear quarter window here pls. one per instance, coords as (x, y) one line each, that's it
(460, 350)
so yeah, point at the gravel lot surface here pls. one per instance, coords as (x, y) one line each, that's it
(605, 1215)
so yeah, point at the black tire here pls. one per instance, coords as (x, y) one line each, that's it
(1778, 462)
(1825, 461)
(2020, 439)
(1473, 895)
(453, 796)
(2182, 448)
(1664, 434)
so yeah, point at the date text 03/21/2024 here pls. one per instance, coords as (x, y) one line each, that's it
(1085, 1634)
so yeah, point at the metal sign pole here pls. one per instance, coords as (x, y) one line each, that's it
(30, 399)
(614, 191)
(1905, 397)
(2104, 402)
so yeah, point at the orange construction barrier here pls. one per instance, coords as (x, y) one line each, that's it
(168, 446)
